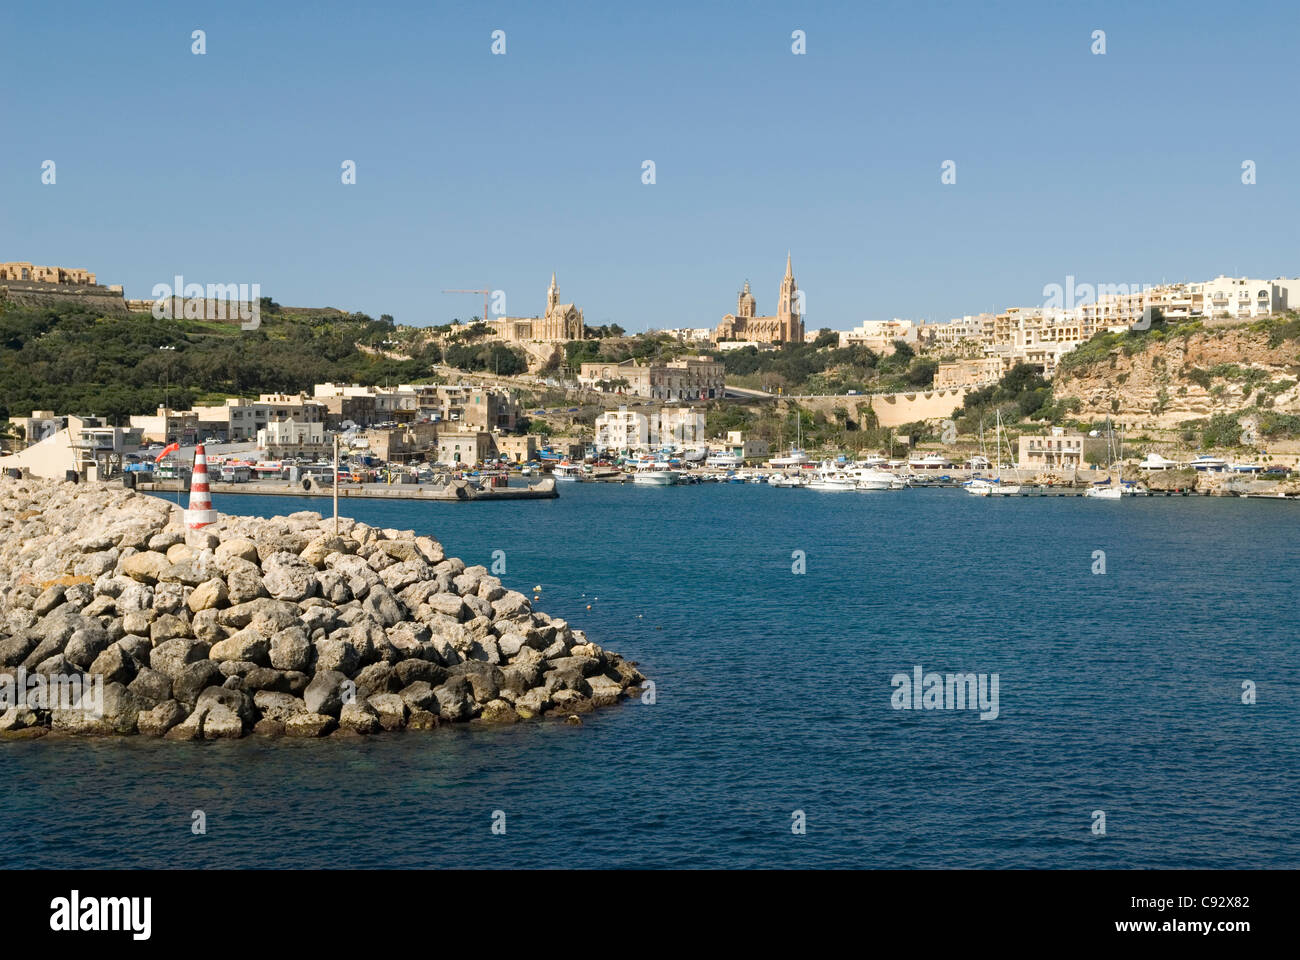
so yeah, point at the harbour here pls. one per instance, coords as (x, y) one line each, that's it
(773, 694)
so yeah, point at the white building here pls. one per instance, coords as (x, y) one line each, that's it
(691, 334)
(395, 403)
(290, 433)
(969, 327)
(1242, 298)
(622, 429)
(879, 335)
(677, 428)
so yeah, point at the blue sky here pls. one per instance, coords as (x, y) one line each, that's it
(480, 170)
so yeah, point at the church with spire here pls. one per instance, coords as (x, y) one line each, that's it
(785, 327)
(561, 322)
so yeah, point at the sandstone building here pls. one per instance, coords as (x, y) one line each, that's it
(29, 285)
(688, 378)
(34, 274)
(561, 322)
(785, 327)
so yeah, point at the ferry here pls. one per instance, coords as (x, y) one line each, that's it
(567, 471)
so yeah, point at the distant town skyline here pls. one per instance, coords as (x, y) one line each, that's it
(480, 170)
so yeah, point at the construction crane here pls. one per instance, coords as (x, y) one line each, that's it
(486, 294)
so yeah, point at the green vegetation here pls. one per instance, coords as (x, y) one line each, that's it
(615, 349)
(822, 367)
(1277, 426)
(493, 357)
(71, 361)
(1221, 430)
(1021, 393)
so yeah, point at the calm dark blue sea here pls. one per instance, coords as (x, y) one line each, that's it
(1118, 692)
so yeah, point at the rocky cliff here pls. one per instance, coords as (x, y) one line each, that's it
(275, 626)
(1162, 381)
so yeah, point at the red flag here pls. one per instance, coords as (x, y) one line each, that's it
(170, 448)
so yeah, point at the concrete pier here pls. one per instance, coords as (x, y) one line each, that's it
(455, 490)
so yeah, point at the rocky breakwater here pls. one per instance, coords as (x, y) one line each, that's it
(277, 627)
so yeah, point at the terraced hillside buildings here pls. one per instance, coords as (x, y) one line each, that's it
(987, 345)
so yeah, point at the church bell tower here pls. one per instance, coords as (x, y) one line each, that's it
(789, 322)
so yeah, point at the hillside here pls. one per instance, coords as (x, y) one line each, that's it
(1170, 375)
(70, 360)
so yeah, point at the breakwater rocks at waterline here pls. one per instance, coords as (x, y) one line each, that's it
(113, 621)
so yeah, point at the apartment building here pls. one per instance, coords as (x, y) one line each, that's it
(622, 429)
(676, 428)
(167, 425)
(391, 404)
(474, 408)
(968, 373)
(967, 328)
(879, 335)
(238, 419)
(673, 428)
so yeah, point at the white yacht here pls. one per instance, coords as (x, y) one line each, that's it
(867, 478)
(567, 471)
(1105, 490)
(724, 461)
(1110, 488)
(832, 484)
(653, 475)
(995, 487)
(982, 487)
(830, 479)
(1153, 461)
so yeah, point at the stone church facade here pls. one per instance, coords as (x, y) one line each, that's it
(561, 322)
(785, 327)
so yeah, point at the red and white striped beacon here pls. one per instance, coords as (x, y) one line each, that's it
(200, 512)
